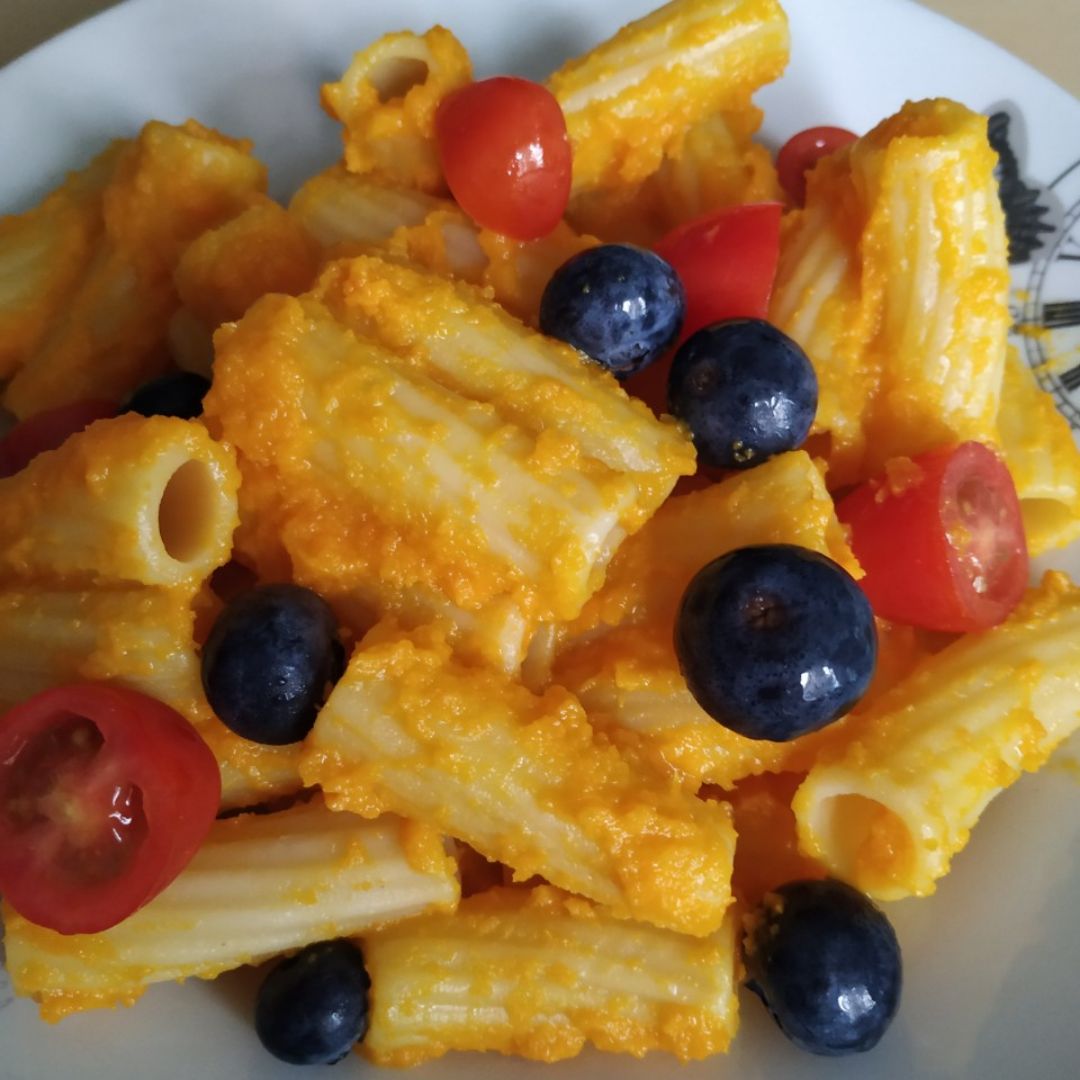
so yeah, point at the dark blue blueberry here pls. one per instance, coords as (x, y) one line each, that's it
(312, 1009)
(745, 390)
(179, 394)
(775, 641)
(621, 305)
(826, 963)
(268, 661)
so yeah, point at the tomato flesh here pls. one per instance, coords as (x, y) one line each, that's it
(727, 262)
(941, 539)
(105, 795)
(46, 431)
(802, 152)
(506, 156)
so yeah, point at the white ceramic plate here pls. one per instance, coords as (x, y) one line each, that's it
(991, 961)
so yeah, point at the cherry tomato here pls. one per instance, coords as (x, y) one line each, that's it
(941, 540)
(801, 153)
(105, 795)
(727, 263)
(506, 155)
(46, 431)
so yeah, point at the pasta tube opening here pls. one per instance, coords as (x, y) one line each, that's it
(186, 512)
(394, 76)
(868, 841)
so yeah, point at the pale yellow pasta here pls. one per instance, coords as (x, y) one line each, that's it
(387, 100)
(168, 186)
(260, 885)
(522, 778)
(140, 638)
(44, 252)
(352, 215)
(894, 279)
(410, 449)
(139, 500)
(892, 809)
(631, 99)
(538, 973)
(1042, 456)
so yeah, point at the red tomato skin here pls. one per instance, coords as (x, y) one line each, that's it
(901, 534)
(727, 262)
(506, 155)
(144, 743)
(47, 430)
(802, 152)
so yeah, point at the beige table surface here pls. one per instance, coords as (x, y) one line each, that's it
(1046, 33)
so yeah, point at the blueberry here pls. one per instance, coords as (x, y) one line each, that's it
(826, 963)
(312, 1009)
(268, 660)
(775, 641)
(621, 305)
(745, 390)
(179, 394)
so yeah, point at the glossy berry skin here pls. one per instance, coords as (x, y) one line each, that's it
(312, 1009)
(746, 391)
(826, 963)
(775, 641)
(268, 660)
(179, 394)
(621, 305)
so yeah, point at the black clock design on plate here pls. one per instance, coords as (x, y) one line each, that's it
(1043, 223)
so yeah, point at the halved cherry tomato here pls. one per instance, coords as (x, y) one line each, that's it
(801, 153)
(46, 431)
(941, 539)
(506, 155)
(727, 263)
(105, 795)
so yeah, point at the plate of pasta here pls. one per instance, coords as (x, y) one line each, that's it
(527, 529)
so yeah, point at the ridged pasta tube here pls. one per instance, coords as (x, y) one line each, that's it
(141, 638)
(894, 279)
(261, 884)
(522, 778)
(43, 254)
(631, 100)
(408, 448)
(890, 812)
(169, 185)
(387, 100)
(352, 215)
(538, 973)
(150, 501)
(1038, 447)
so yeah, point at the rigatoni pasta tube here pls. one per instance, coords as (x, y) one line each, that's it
(261, 884)
(130, 500)
(353, 215)
(410, 449)
(521, 778)
(43, 253)
(387, 100)
(169, 185)
(140, 638)
(632, 98)
(538, 973)
(892, 810)
(894, 279)
(1039, 450)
